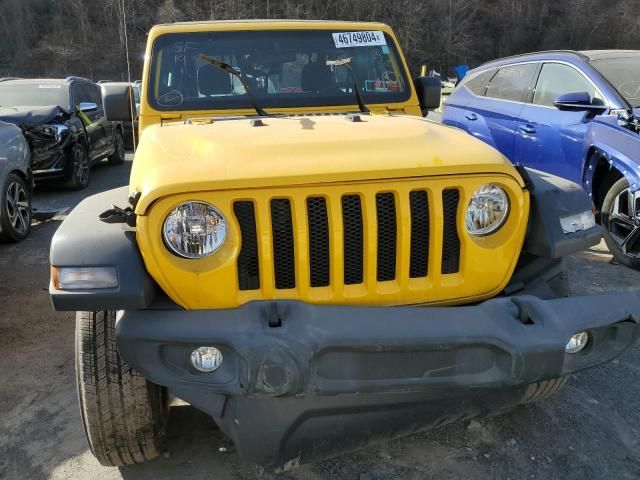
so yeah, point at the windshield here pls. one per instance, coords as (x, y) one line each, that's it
(283, 68)
(624, 74)
(34, 95)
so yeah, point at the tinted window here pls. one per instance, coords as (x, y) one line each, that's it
(512, 82)
(624, 74)
(81, 94)
(557, 79)
(283, 69)
(477, 84)
(95, 94)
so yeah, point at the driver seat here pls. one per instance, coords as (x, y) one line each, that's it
(315, 77)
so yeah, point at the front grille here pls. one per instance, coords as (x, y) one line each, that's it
(450, 238)
(283, 247)
(248, 264)
(347, 238)
(387, 236)
(353, 239)
(419, 255)
(318, 224)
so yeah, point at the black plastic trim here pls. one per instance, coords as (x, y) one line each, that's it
(553, 197)
(84, 241)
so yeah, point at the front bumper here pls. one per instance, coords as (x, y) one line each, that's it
(49, 165)
(294, 374)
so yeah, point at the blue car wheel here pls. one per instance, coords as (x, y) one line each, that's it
(621, 223)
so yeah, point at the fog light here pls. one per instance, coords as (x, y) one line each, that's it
(206, 359)
(577, 342)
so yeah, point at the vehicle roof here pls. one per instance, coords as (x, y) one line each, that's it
(267, 20)
(536, 56)
(584, 55)
(266, 24)
(599, 54)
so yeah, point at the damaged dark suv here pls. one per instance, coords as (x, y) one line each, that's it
(64, 123)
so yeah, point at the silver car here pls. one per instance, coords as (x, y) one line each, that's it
(16, 184)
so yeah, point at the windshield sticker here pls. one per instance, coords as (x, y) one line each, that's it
(358, 39)
(50, 86)
(381, 86)
(173, 98)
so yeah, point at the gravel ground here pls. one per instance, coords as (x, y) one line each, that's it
(590, 430)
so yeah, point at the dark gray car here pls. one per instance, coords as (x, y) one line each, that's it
(63, 120)
(15, 184)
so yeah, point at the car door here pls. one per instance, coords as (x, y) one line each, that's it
(105, 127)
(493, 118)
(91, 119)
(455, 106)
(550, 139)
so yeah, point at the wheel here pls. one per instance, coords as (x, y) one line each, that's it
(124, 415)
(15, 209)
(117, 157)
(541, 390)
(80, 167)
(621, 224)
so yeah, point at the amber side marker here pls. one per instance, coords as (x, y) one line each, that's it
(54, 278)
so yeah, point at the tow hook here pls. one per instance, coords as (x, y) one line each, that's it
(122, 215)
(119, 215)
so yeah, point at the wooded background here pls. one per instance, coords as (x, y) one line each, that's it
(86, 37)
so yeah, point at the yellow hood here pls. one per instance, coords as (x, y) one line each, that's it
(232, 153)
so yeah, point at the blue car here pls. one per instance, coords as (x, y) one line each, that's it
(572, 114)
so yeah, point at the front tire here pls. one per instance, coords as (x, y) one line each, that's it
(117, 157)
(621, 224)
(79, 168)
(542, 390)
(15, 209)
(124, 415)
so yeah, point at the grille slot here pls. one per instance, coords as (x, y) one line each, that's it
(450, 237)
(319, 265)
(419, 254)
(353, 238)
(248, 264)
(283, 248)
(387, 236)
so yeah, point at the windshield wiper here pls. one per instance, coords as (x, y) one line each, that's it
(346, 62)
(232, 71)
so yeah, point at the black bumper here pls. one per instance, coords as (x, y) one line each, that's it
(284, 391)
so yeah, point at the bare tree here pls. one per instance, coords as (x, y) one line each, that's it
(40, 37)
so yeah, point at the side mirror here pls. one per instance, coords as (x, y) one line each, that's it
(429, 90)
(117, 99)
(576, 101)
(87, 107)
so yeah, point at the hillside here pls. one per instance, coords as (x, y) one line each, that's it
(85, 37)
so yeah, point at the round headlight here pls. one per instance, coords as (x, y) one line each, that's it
(487, 210)
(194, 230)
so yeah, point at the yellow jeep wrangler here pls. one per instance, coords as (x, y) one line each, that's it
(304, 257)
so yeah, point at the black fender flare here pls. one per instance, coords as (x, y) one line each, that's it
(552, 198)
(84, 241)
